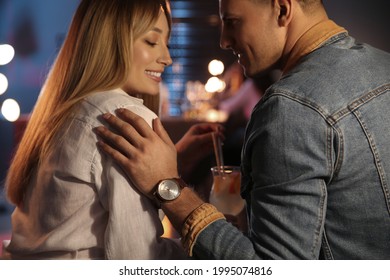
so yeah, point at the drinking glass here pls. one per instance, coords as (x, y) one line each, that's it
(225, 192)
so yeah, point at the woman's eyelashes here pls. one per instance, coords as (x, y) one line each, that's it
(150, 43)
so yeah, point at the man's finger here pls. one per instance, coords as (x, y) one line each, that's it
(115, 141)
(123, 128)
(117, 156)
(160, 130)
(137, 122)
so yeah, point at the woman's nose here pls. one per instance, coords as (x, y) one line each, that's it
(166, 57)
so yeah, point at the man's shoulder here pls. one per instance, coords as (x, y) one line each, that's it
(334, 76)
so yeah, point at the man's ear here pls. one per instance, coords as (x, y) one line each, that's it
(285, 8)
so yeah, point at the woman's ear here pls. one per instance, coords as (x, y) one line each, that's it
(285, 8)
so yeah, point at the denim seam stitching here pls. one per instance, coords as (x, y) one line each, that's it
(335, 38)
(328, 119)
(375, 153)
(321, 219)
(329, 155)
(340, 151)
(326, 247)
(358, 102)
(300, 100)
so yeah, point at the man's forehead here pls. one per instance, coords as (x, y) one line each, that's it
(232, 7)
(229, 5)
(233, 4)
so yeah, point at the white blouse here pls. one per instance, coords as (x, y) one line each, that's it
(80, 204)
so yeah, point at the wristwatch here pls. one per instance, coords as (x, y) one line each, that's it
(168, 190)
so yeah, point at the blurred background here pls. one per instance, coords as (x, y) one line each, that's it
(36, 29)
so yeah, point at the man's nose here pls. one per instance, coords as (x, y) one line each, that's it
(224, 40)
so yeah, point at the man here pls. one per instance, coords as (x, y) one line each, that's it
(316, 158)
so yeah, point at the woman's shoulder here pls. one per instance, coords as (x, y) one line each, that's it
(96, 104)
(112, 99)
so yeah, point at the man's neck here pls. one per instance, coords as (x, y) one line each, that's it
(299, 25)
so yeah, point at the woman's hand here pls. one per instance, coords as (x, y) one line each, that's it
(146, 155)
(195, 145)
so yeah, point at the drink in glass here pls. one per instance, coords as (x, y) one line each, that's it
(225, 192)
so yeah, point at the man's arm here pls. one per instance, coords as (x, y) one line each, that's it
(154, 156)
(149, 156)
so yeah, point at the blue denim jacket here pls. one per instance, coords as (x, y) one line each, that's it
(316, 163)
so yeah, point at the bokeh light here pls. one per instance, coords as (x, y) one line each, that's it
(3, 83)
(216, 67)
(7, 53)
(10, 110)
(215, 85)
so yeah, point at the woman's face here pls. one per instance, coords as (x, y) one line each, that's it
(151, 56)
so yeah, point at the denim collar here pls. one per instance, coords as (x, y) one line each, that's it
(314, 38)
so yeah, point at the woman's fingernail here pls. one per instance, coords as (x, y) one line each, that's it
(120, 110)
(106, 116)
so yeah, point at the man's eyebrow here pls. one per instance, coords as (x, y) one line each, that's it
(227, 15)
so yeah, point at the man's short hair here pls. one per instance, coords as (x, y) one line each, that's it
(303, 3)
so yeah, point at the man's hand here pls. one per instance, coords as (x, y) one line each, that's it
(146, 155)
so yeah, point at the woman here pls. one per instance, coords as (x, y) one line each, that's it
(72, 201)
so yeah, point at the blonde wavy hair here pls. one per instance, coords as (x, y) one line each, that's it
(96, 56)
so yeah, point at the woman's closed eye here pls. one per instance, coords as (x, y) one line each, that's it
(150, 43)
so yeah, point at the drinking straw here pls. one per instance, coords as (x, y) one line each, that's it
(218, 151)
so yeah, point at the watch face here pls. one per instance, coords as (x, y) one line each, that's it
(168, 190)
